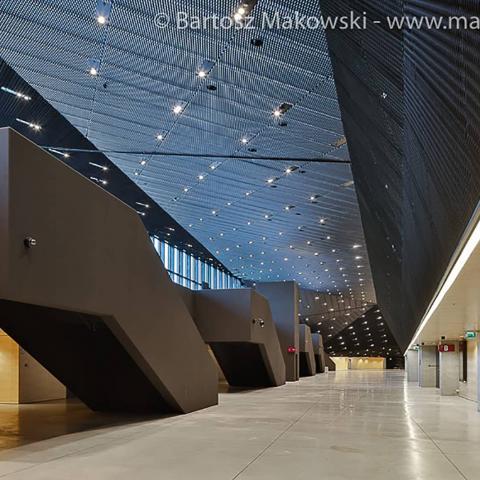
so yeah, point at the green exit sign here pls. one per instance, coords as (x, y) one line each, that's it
(470, 335)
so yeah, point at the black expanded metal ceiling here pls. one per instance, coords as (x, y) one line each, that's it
(367, 336)
(21, 102)
(327, 313)
(265, 220)
(411, 109)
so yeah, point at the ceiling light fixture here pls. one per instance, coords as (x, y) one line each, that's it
(16, 94)
(93, 67)
(104, 8)
(214, 165)
(178, 109)
(99, 180)
(63, 154)
(146, 205)
(33, 126)
(102, 167)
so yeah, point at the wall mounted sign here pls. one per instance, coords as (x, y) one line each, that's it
(446, 348)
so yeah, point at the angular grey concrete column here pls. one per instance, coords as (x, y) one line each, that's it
(283, 298)
(83, 291)
(450, 370)
(411, 364)
(238, 326)
(427, 366)
(317, 341)
(307, 356)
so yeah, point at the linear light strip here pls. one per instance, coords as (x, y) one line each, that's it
(467, 245)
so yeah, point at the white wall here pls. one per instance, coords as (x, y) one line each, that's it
(22, 378)
(36, 383)
(360, 363)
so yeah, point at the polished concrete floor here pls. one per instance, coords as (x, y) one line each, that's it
(340, 426)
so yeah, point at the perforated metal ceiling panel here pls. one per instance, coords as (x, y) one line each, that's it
(410, 102)
(329, 314)
(367, 336)
(301, 225)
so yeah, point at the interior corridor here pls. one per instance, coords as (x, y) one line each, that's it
(344, 425)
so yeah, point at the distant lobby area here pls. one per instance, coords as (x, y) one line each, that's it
(344, 425)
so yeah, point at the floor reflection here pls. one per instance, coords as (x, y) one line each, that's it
(24, 424)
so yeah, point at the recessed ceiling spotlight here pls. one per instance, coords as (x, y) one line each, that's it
(270, 181)
(143, 162)
(102, 14)
(323, 221)
(159, 137)
(244, 140)
(356, 246)
(178, 109)
(146, 205)
(214, 165)
(62, 154)
(201, 177)
(99, 180)
(93, 67)
(33, 126)
(282, 109)
(102, 167)
(202, 74)
(291, 169)
(17, 94)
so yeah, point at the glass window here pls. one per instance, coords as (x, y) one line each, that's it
(191, 272)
